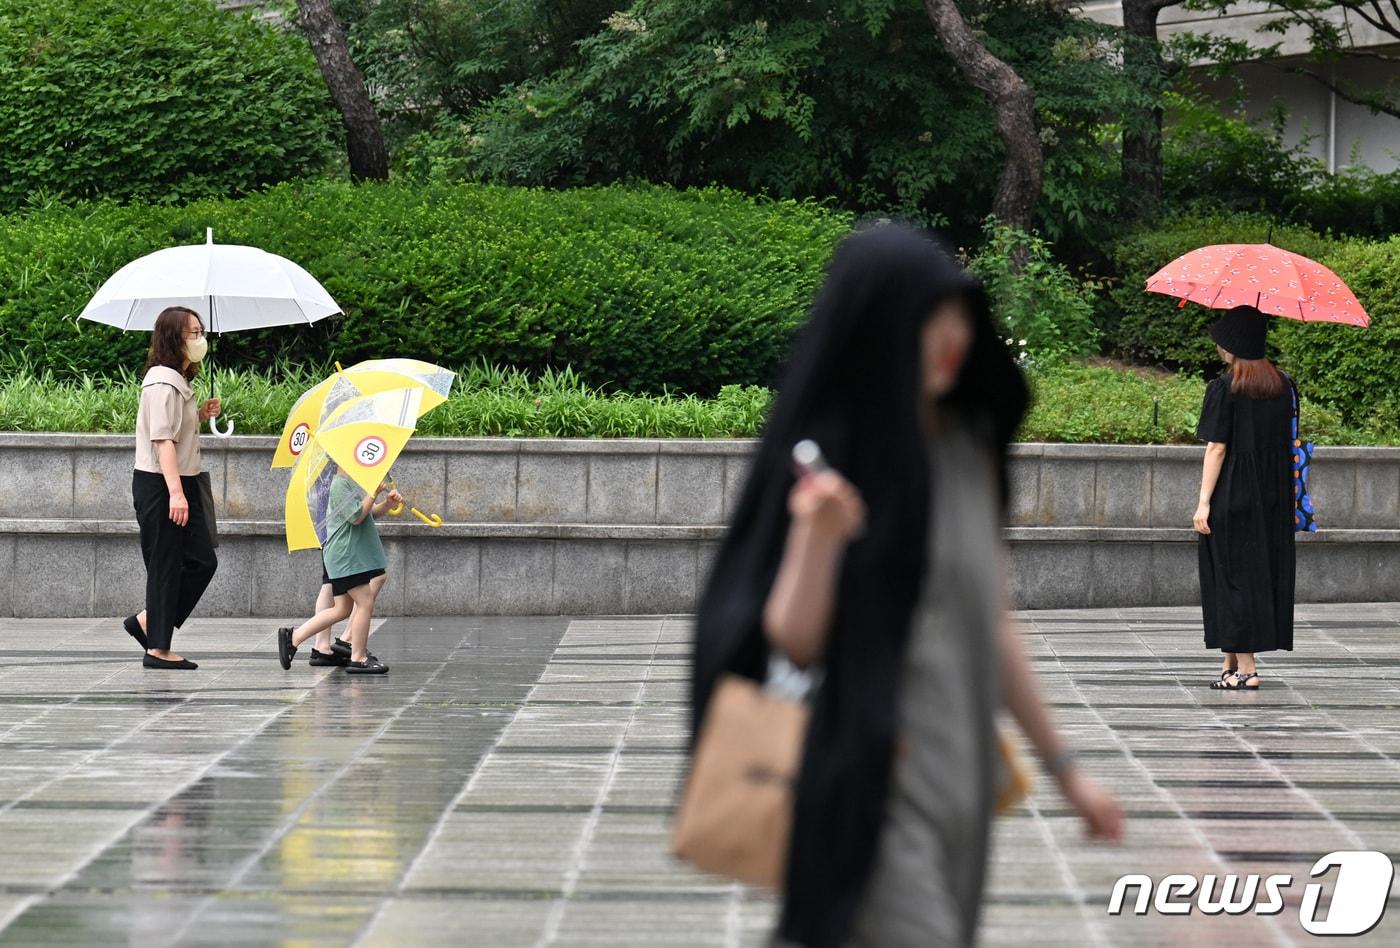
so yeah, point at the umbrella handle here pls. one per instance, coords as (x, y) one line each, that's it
(395, 510)
(214, 428)
(434, 521)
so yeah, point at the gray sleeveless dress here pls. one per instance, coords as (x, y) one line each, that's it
(926, 888)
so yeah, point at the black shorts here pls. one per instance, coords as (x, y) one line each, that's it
(343, 584)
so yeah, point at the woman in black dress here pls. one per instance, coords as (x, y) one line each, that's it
(1245, 513)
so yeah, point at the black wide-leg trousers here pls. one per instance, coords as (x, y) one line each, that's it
(180, 561)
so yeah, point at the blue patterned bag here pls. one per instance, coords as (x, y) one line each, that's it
(1303, 519)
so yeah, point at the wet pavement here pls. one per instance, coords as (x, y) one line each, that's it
(511, 781)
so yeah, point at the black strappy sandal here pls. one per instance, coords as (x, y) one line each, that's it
(1228, 681)
(1234, 681)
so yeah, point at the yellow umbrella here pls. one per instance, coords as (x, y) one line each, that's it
(362, 378)
(360, 439)
(308, 493)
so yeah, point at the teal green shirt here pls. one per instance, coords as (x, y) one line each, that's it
(350, 548)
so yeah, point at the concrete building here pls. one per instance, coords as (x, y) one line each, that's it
(1337, 132)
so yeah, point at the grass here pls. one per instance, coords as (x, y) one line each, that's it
(1113, 404)
(1074, 402)
(485, 401)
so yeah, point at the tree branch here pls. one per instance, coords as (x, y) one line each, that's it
(1376, 105)
(1018, 191)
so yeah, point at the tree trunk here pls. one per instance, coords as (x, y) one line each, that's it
(364, 141)
(1142, 133)
(1018, 192)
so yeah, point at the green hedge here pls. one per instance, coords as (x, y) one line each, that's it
(644, 288)
(1355, 371)
(159, 100)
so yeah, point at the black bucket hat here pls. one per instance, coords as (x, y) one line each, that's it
(1241, 332)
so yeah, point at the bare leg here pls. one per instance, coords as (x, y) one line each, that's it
(1246, 666)
(322, 620)
(375, 585)
(363, 597)
(161, 653)
(324, 600)
(1229, 662)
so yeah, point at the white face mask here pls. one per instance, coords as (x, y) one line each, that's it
(196, 349)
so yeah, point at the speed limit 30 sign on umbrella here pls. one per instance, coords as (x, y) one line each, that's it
(360, 439)
(363, 378)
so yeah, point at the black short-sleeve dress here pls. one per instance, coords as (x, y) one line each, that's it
(1246, 561)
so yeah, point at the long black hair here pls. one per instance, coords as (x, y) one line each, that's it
(853, 384)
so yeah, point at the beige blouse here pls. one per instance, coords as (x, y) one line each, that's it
(168, 412)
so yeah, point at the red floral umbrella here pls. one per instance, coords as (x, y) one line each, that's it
(1277, 282)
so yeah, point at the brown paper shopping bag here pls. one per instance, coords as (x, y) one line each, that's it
(736, 814)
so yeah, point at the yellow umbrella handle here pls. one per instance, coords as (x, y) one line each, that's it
(434, 521)
(395, 510)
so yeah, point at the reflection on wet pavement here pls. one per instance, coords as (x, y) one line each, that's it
(511, 782)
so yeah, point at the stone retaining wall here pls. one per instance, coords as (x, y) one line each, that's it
(603, 527)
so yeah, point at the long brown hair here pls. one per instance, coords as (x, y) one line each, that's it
(168, 341)
(1256, 378)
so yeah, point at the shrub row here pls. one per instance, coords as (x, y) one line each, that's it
(645, 289)
(163, 100)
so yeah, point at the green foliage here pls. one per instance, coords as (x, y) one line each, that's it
(1218, 163)
(642, 288)
(854, 102)
(1039, 302)
(486, 401)
(158, 100)
(1079, 402)
(1355, 370)
(431, 62)
(1074, 402)
(1151, 328)
(1356, 201)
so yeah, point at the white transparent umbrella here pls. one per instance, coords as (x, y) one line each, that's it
(234, 287)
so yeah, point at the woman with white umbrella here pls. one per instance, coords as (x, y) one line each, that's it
(175, 538)
(241, 288)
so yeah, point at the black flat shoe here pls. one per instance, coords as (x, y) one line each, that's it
(133, 629)
(342, 647)
(370, 666)
(150, 661)
(331, 659)
(286, 651)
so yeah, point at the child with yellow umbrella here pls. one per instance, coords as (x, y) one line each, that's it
(363, 378)
(357, 568)
(332, 499)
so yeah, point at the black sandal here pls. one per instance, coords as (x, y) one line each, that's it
(1228, 681)
(1234, 681)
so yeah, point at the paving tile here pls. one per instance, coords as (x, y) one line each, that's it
(513, 780)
